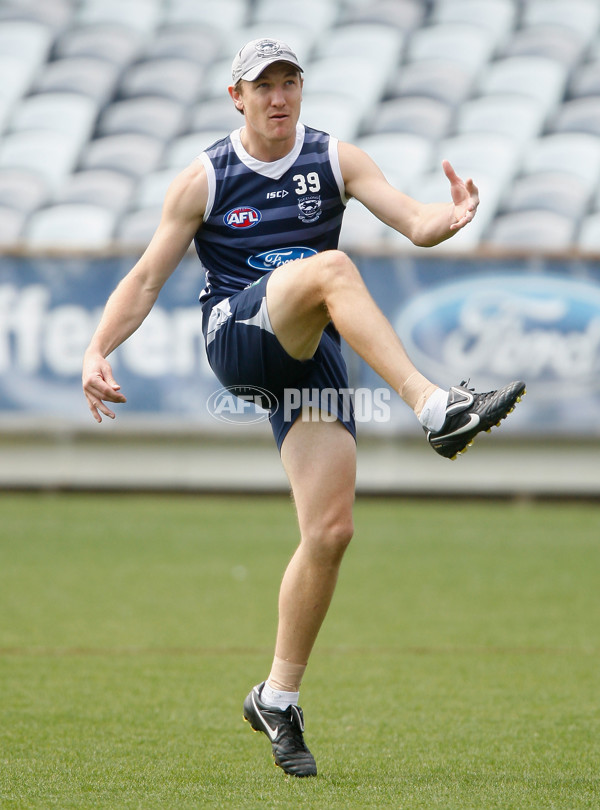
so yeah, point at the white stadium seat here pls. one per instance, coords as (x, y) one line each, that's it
(72, 226)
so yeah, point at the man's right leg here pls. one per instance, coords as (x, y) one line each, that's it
(303, 296)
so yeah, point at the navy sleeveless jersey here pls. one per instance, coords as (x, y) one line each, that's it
(262, 215)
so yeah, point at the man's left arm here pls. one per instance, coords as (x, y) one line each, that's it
(425, 224)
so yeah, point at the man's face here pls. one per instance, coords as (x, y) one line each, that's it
(271, 103)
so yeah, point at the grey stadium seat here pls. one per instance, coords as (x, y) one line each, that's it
(12, 223)
(55, 15)
(562, 45)
(441, 79)
(512, 115)
(574, 152)
(400, 156)
(194, 42)
(139, 16)
(588, 237)
(51, 154)
(70, 114)
(104, 187)
(216, 80)
(360, 80)
(174, 78)
(70, 226)
(314, 15)
(84, 75)
(401, 15)
(585, 80)
(497, 17)
(540, 231)
(29, 41)
(219, 15)
(374, 40)
(108, 41)
(16, 78)
(536, 77)
(423, 116)
(561, 192)
(22, 189)
(160, 117)
(132, 153)
(464, 43)
(580, 16)
(578, 115)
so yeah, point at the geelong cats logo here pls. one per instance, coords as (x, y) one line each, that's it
(310, 209)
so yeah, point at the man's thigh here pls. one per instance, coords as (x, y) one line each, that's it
(296, 306)
(319, 458)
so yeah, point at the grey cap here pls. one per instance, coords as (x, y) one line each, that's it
(258, 54)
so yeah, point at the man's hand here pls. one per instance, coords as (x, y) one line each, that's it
(98, 385)
(465, 196)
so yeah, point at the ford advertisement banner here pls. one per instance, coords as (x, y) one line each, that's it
(487, 321)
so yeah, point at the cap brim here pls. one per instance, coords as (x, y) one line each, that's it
(253, 74)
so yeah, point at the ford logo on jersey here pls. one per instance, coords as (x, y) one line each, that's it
(242, 217)
(275, 258)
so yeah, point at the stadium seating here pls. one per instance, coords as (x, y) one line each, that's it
(418, 115)
(171, 77)
(184, 149)
(101, 101)
(562, 192)
(11, 226)
(134, 230)
(496, 17)
(512, 115)
(22, 189)
(51, 154)
(155, 116)
(83, 75)
(107, 188)
(543, 231)
(588, 238)
(402, 15)
(464, 43)
(444, 80)
(401, 156)
(73, 226)
(111, 42)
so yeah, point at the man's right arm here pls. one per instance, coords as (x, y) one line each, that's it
(134, 297)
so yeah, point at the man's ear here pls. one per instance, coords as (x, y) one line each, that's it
(237, 98)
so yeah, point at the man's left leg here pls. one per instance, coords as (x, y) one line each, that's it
(320, 461)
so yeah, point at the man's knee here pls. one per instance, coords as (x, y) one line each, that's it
(330, 538)
(337, 271)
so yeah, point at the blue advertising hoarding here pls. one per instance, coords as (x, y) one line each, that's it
(487, 320)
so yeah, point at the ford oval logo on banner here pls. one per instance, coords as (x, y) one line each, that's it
(243, 217)
(538, 328)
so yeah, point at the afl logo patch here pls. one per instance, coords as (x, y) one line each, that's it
(242, 217)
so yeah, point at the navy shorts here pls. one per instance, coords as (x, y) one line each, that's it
(243, 351)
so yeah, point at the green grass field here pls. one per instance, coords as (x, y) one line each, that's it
(459, 666)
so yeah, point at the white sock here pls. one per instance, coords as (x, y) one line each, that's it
(277, 698)
(433, 414)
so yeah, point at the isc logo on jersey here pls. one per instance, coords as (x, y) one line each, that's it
(242, 217)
